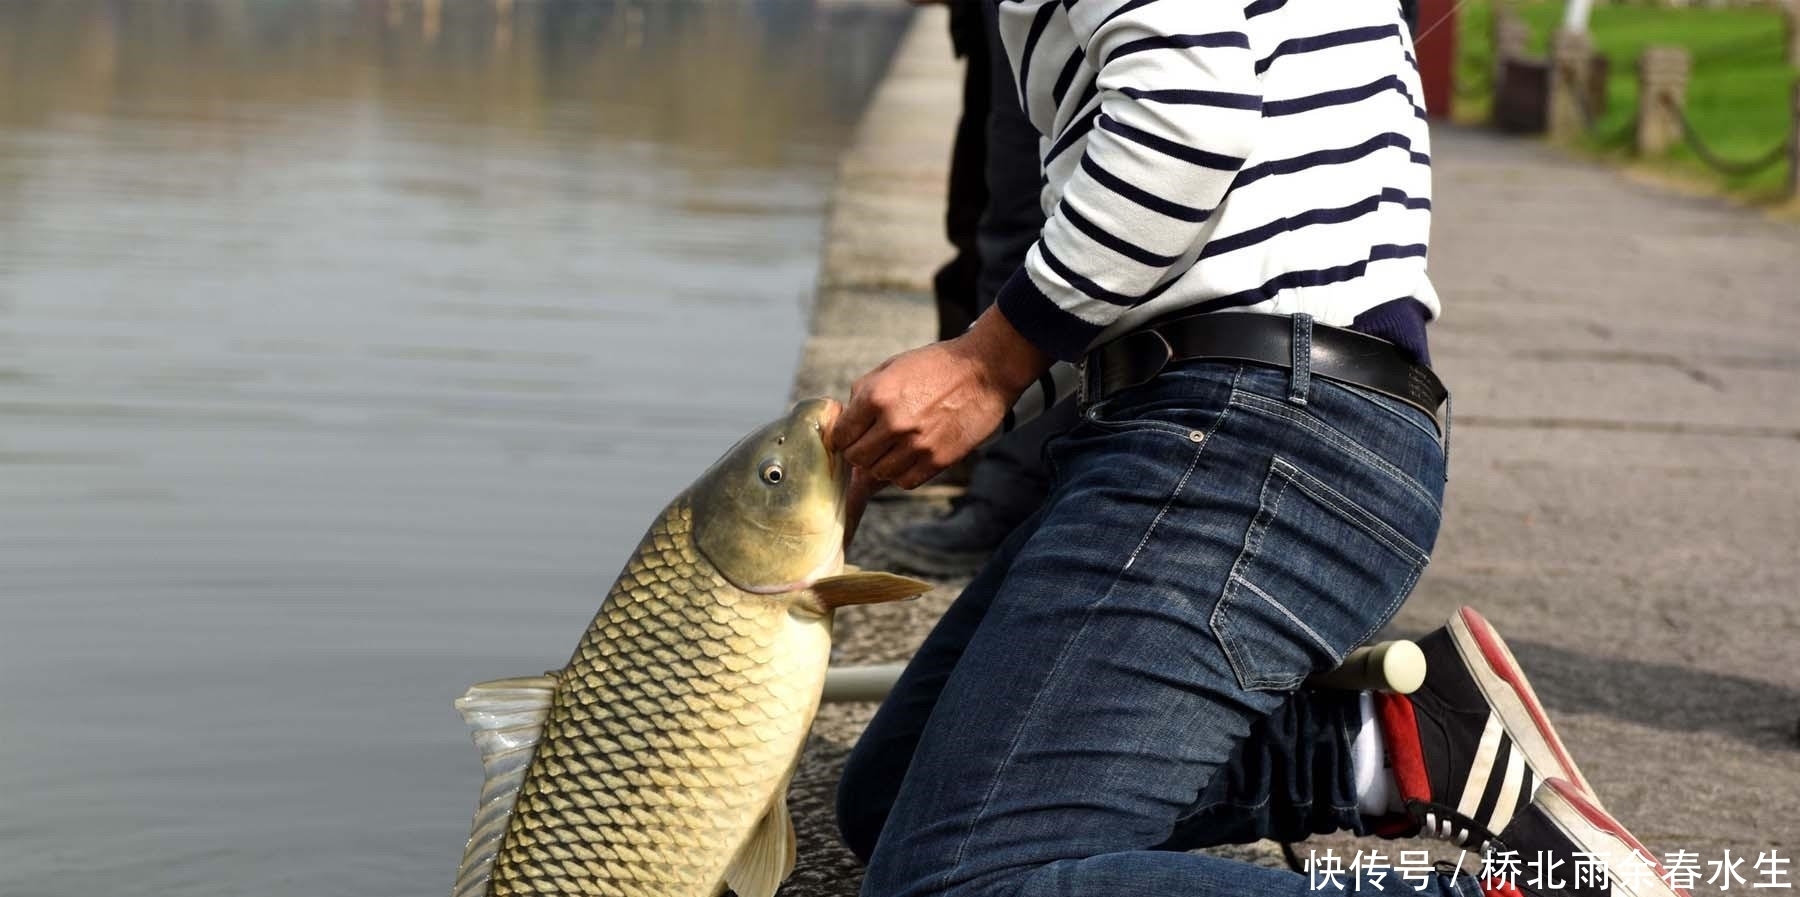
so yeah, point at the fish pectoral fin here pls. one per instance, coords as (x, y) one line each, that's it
(864, 587)
(767, 859)
(507, 716)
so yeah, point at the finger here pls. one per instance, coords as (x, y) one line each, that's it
(898, 460)
(855, 419)
(871, 447)
(920, 473)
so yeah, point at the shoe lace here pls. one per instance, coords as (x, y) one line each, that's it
(1445, 824)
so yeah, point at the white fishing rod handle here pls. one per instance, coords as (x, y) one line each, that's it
(1397, 666)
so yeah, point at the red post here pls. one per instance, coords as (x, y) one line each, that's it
(1436, 46)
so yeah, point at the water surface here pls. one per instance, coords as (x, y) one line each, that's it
(345, 350)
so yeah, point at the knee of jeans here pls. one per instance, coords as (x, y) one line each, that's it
(859, 816)
(913, 881)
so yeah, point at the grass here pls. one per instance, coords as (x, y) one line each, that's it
(1739, 93)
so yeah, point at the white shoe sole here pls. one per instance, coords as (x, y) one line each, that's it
(1504, 686)
(1595, 831)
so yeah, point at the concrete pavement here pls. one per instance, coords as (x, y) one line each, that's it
(1624, 501)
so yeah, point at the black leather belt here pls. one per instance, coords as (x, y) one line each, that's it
(1264, 339)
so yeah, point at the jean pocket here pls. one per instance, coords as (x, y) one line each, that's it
(1318, 576)
(1107, 416)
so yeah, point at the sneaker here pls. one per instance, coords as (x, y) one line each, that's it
(1562, 843)
(1472, 746)
(954, 545)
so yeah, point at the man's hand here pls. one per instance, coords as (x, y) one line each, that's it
(922, 411)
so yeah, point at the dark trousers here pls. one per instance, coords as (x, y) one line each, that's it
(956, 283)
(1121, 681)
(994, 216)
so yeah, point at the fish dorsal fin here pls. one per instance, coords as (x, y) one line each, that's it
(508, 718)
(863, 587)
(767, 859)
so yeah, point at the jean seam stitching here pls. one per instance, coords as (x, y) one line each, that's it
(1418, 558)
(1249, 402)
(1373, 526)
(1318, 639)
(1220, 620)
(1387, 404)
(1062, 658)
(1180, 486)
(1253, 402)
(1398, 599)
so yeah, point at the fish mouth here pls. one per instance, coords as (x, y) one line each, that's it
(837, 466)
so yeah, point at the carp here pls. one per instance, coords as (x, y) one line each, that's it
(656, 762)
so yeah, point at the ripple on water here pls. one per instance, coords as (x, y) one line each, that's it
(348, 349)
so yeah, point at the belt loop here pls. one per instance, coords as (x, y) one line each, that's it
(1449, 414)
(1087, 391)
(1300, 373)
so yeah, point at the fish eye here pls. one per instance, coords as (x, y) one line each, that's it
(772, 473)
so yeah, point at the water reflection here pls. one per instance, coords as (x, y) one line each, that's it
(345, 348)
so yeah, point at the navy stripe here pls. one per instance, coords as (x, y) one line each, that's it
(1326, 41)
(1115, 243)
(1134, 4)
(1143, 198)
(1418, 108)
(1329, 157)
(1040, 320)
(1217, 98)
(1088, 93)
(1068, 76)
(1317, 277)
(1262, 6)
(1235, 39)
(1170, 148)
(1074, 132)
(1341, 97)
(1038, 25)
(1047, 325)
(1221, 245)
(1091, 289)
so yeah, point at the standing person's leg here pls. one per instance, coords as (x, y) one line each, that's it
(1210, 544)
(956, 284)
(1009, 480)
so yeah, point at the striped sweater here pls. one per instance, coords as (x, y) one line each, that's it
(1205, 155)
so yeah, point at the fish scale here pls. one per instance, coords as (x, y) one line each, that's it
(671, 728)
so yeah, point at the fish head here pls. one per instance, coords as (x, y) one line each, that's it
(769, 515)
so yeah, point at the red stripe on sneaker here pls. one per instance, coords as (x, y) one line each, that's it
(1499, 659)
(1603, 821)
(1400, 730)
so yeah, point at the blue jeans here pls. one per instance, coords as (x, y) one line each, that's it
(1122, 681)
